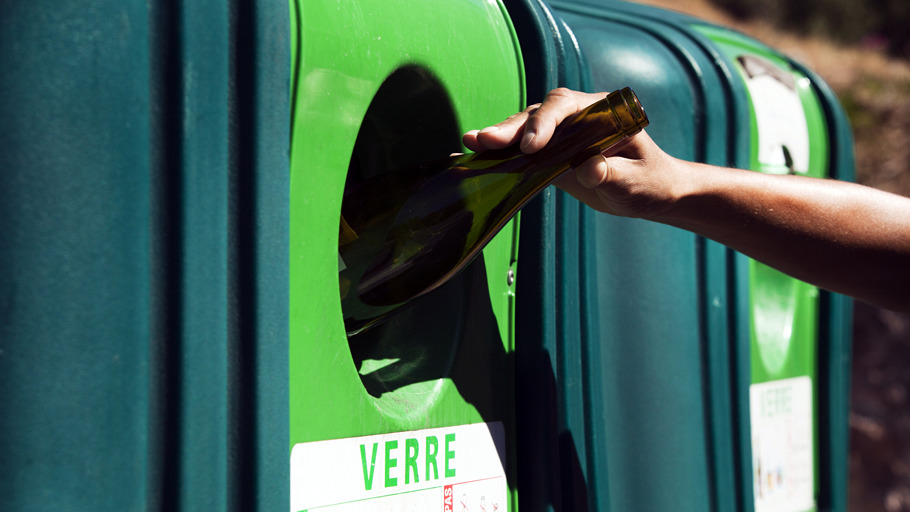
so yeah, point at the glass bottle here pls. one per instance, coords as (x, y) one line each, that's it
(405, 233)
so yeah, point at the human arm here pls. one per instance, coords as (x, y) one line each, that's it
(839, 236)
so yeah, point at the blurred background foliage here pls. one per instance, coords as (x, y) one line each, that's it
(882, 23)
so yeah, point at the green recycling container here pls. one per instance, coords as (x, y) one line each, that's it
(656, 350)
(143, 255)
(417, 413)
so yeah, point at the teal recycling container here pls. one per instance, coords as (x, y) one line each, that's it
(143, 255)
(650, 349)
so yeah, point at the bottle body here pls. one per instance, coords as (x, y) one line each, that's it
(407, 235)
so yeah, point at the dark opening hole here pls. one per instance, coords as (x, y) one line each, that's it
(410, 120)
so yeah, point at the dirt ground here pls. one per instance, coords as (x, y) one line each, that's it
(875, 92)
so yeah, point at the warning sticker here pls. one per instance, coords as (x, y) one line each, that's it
(460, 468)
(782, 445)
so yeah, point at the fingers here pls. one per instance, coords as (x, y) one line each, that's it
(499, 135)
(558, 105)
(533, 126)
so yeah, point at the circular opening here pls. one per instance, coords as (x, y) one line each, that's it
(402, 360)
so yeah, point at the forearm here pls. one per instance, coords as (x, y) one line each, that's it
(839, 236)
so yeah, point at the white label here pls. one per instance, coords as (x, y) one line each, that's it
(783, 458)
(779, 114)
(440, 469)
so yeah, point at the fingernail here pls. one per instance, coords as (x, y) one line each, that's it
(526, 140)
(490, 129)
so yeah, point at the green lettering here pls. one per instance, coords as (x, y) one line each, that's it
(410, 459)
(432, 448)
(390, 463)
(368, 471)
(450, 454)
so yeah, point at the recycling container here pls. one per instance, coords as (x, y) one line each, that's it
(143, 255)
(171, 335)
(648, 347)
(797, 380)
(418, 412)
(611, 333)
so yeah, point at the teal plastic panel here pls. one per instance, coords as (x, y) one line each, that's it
(550, 440)
(550, 51)
(143, 256)
(615, 355)
(659, 345)
(74, 257)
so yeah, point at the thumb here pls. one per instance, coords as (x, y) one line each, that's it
(593, 172)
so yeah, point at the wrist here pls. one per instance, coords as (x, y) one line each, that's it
(701, 201)
(685, 183)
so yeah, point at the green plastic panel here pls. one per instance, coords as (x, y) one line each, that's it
(143, 256)
(407, 80)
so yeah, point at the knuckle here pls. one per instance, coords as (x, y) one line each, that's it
(559, 92)
(534, 122)
(518, 116)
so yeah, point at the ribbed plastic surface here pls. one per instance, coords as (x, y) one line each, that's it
(143, 256)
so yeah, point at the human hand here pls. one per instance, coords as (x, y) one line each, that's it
(635, 180)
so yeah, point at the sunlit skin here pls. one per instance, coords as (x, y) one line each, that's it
(840, 236)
